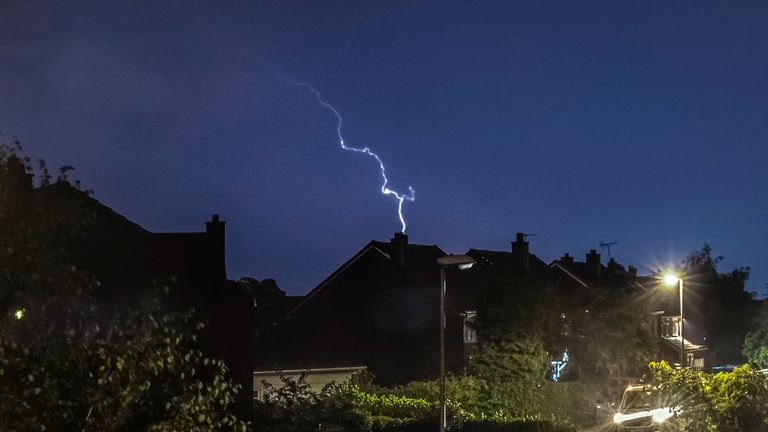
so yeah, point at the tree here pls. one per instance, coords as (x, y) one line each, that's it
(611, 330)
(726, 401)
(63, 366)
(515, 316)
(510, 371)
(268, 300)
(718, 303)
(756, 341)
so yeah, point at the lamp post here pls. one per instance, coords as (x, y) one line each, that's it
(461, 262)
(670, 280)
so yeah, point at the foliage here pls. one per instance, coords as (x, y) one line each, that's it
(511, 373)
(611, 329)
(338, 405)
(64, 364)
(727, 401)
(569, 402)
(462, 394)
(718, 303)
(756, 342)
(293, 406)
(516, 315)
(514, 426)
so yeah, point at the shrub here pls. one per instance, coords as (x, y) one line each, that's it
(513, 426)
(571, 402)
(726, 401)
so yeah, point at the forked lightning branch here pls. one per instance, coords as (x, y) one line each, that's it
(400, 197)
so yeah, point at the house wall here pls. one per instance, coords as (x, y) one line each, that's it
(316, 378)
(373, 313)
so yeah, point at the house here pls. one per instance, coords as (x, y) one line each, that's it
(380, 309)
(670, 350)
(127, 260)
(666, 327)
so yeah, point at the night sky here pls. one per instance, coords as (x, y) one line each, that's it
(641, 122)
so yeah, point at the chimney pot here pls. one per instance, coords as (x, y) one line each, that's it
(593, 262)
(215, 225)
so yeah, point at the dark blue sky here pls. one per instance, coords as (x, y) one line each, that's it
(642, 122)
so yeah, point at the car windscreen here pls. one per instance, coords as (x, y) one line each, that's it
(639, 400)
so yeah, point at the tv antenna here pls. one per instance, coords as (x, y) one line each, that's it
(525, 236)
(607, 245)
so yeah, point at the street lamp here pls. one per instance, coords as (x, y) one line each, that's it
(461, 262)
(670, 279)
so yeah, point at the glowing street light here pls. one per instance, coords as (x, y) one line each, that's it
(19, 314)
(461, 262)
(671, 279)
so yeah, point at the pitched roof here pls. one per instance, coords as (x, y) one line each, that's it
(420, 262)
(504, 261)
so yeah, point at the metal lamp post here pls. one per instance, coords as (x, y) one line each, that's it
(461, 262)
(671, 280)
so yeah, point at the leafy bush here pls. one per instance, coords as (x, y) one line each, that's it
(571, 402)
(513, 426)
(295, 405)
(727, 401)
(390, 405)
(462, 394)
(510, 373)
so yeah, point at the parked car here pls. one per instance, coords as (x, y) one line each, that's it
(642, 409)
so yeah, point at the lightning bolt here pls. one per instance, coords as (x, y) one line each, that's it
(400, 197)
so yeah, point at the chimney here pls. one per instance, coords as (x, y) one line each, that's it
(566, 259)
(215, 230)
(593, 262)
(398, 245)
(520, 254)
(632, 270)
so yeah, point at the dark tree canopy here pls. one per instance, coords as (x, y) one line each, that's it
(63, 367)
(718, 303)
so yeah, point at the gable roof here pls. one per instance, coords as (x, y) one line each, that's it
(504, 258)
(420, 262)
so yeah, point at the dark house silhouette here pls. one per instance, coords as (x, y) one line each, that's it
(128, 260)
(380, 308)
(664, 320)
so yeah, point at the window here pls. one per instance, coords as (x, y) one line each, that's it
(470, 334)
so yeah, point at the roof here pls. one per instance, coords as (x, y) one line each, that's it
(612, 275)
(420, 263)
(309, 370)
(503, 259)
